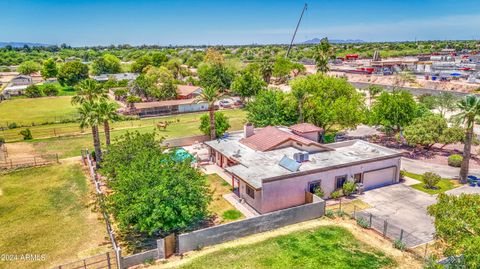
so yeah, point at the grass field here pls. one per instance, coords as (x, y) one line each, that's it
(327, 247)
(219, 206)
(45, 210)
(444, 185)
(70, 146)
(25, 111)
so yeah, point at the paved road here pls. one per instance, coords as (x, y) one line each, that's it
(414, 91)
(420, 167)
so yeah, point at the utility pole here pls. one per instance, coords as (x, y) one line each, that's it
(296, 29)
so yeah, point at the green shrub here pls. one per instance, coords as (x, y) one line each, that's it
(319, 192)
(399, 244)
(336, 194)
(431, 180)
(363, 222)
(330, 214)
(402, 174)
(2, 140)
(348, 188)
(341, 213)
(33, 91)
(232, 214)
(50, 90)
(12, 125)
(27, 134)
(455, 160)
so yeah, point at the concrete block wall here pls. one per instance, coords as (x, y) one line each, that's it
(234, 230)
(140, 258)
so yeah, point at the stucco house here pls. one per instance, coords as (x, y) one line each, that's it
(272, 167)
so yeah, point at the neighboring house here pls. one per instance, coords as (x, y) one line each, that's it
(117, 77)
(274, 166)
(21, 80)
(149, 109)
(188, 92)
(14, 90)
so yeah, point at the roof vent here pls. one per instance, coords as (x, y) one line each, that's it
(289, 164)
(301, 156)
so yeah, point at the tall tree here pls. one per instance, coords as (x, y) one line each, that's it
(108, 113)
(272, 107)
(49, 69)
(71, 73)
(330, 101)
(28, 67)
(394, 110)
(457, 226)
(446, 102)
(215, 75)
(89, 91)
(266, 69)
(210, 95)
(248, 84)
(373, 92)
(107, 64)
(469, 113)
(322, 53)
(90, 117)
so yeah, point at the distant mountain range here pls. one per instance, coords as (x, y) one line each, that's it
(21, 44)
(334, 41)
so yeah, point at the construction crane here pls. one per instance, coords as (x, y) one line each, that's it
(296, 29)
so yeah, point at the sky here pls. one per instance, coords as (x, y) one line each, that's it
(89, 22)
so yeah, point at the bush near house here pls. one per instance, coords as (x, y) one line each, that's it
(431, 180)
(336, 194)
(455, 160)
(33, 91)
(349, 188)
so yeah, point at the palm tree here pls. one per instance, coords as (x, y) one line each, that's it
(469, 113)
(322, 53)
(108, 113)
(90, 117)
(89, 91)
(210, 95)
(266, 69)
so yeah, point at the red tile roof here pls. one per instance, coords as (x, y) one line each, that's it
(270, 137)
(305, 128)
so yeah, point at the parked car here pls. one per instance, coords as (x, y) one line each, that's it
(225, 103)
(238, 103)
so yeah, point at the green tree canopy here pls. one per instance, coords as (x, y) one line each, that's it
(394, 110)
(49, 69)
(107, 64)
(425, 131)
(139, 65)
(272, 107)
(248, 84)
(221, 124)
(29, 67)
(457, 224)
(215, 75)
(153, 192)
(326, 101)
(71, 73)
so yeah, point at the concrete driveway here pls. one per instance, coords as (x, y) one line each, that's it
(403, 208)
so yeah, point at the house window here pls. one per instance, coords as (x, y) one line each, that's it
(250, 191)
(358, 178)
(312, 186)
(339, 181)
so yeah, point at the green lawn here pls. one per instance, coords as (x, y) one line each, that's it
(25, 111)
(219, 206)
(45, 210)
(444, 185)
(328, 247)
(185, 125)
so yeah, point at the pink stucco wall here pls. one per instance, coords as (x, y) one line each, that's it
(290, 192)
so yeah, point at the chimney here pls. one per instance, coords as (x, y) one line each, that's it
(248, 130)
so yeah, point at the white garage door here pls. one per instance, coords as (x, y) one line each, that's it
(379, 178)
